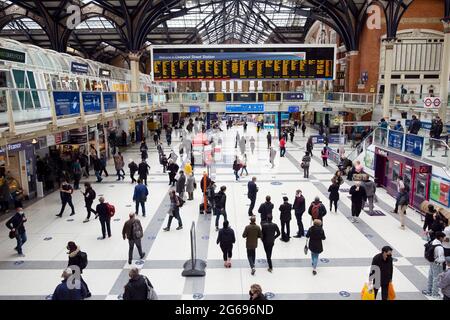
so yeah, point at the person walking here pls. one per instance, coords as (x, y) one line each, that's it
(17, 229)
(79, 259)
(236, 167)
(181, 185)
(89, 197)
(269, 140)
(65, 291)
(103, 164)
(65, 193)
(244, 165)
(400, 185)
(256, 293)
(132, 230)
(309, 146)
(143, 171)
(434, 252)
(238, 138)
(251, 233)
(104, 216)
(164, 162)
(138, 286)
(317, 210)
(174, 211)
(76, 169)
(435, 132)
(296, 125)
(384, 262)
(270, 232)
(324, 153)
(133, 169)
(265, 209)
(315, 235)
(303, 128)
(358, 197)
(306, 161)
(272, 155)
(140, 197)
(173, 169)
(333, 189)
(242, 144)
(226, 239)
(118, 164)
(220, 202)
(282, 147)
(291, 134)
(252, 144)
(285, 219)
(371, 188)
(190, 186)
(252, 190)
(97, 168)
(403, 202)
(299, 208)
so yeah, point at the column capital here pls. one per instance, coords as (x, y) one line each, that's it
(134, 56)
(389, 43)
(352, 53)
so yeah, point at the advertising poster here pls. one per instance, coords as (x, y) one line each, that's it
(91, 102)
(440, 190)
(369, 160)
(396, 139)
(109, 101)
(66, 103)
(414, 145)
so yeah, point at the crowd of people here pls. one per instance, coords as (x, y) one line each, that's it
(261, 226)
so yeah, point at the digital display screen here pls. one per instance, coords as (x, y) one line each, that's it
(237, 63)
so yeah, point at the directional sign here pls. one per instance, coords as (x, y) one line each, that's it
(245, 107)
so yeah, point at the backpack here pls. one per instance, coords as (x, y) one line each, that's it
(315, 210)
(111, 209)
(136, 230)
(180, 201)
(429, 250)
(151, 293)
(83, 260)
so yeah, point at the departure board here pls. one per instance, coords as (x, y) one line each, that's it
(241, 62)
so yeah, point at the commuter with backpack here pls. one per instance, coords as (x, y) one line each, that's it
(79, 259)
(176, 202)
(434, 253)
(317, 210)
(104, 212)
(132, 230)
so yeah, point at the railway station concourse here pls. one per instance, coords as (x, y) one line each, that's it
(232, 93)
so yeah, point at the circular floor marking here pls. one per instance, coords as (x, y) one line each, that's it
(198, 296)
(205, 238)
(324, 260)
(70, 220)
(18, 263)
(269, 295)
(49, 297)
(344, 294)
(48, 238)
(139, 262)
(276, 183)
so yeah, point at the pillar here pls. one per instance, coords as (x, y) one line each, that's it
(252, 86)
(203, 87)
(224, 86)
(211, 86)
(134, 68)
(239, 85)
(445, 72)
(351, 80)
(388, 58)
(260, 86)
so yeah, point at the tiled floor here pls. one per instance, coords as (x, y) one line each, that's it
(347, 254)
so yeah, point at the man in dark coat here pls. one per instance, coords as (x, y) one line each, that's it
(133, 169)
(285, 218)
(269, 140)
(62, 291)
(414, 125)
(16, 224)
(89, 197)
(143, 171)
(266, 209)
(104, 217)
(181, 184)
(270, 232)
(359, 197)
(173, 169)
(317, 210)
(136, 288)
(299, 208)
(251, 233)
(66, 198)
(251, 194)
(383, 261)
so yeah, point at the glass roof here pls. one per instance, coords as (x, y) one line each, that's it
(243, 20)
(22, 24)
(96, 23)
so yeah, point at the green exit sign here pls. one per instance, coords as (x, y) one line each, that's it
(11, 55)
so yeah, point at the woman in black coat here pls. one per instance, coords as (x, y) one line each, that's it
(76, 260)
(226, 239)
(315, 235)
(334, 195)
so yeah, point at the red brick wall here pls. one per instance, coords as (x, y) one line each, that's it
(422, 14)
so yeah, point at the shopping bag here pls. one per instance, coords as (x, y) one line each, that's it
(366, 294)
(391, 292)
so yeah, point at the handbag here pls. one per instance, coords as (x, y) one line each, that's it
(12, 234)
(305, 249)
(367, 294)
(391, 292)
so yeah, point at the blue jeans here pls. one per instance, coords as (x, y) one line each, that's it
(236, 173)
(315, 259)
(433, 273)
(98, 175)
(142, 206)
(218, 213)
(21, 239)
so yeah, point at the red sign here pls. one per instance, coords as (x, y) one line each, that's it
(58, 138)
